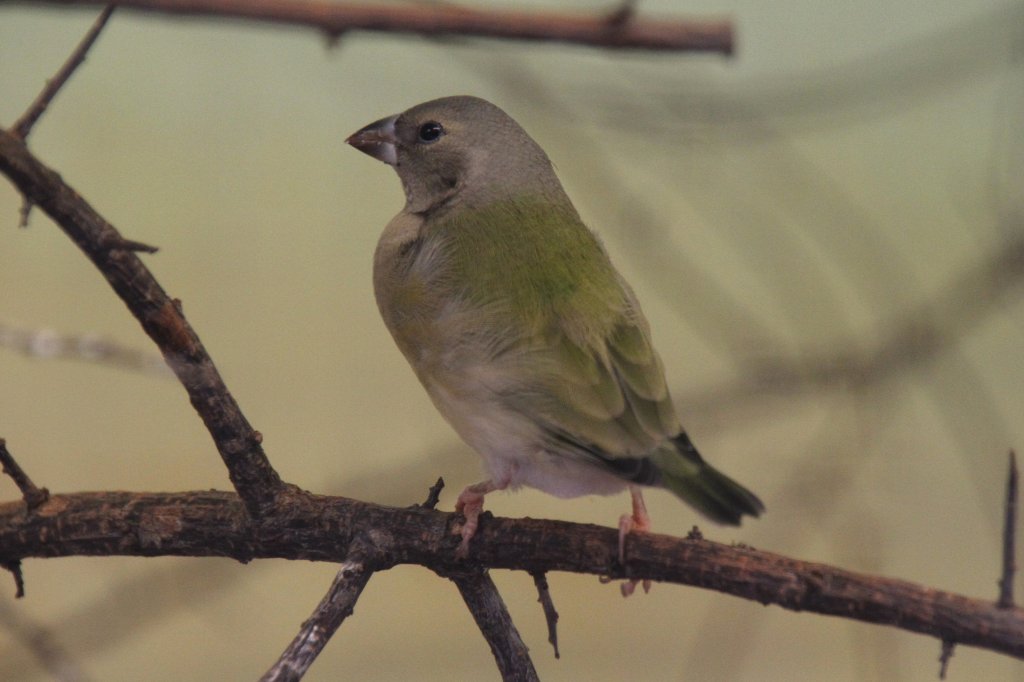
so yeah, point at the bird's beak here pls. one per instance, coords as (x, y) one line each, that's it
(378, 140)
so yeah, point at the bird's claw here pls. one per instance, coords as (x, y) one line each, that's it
(638, 522)
(470, 504)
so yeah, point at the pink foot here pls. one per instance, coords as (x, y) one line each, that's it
(639, 522)
(471, 504)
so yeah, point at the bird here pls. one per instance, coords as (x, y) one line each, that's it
(525, 336)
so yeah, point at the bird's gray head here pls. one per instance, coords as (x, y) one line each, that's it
(458, 149)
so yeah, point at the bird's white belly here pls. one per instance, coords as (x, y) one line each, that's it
(512, 446)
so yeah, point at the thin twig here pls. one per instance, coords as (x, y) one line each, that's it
(337, 605)
(540, 579)
(32, 495)
(434, 495)
(948, 646)
(492, 617)
(14, 566)
(160, 316)
(24, 212)
(23, 126)
(1009, 538)
(335, 19)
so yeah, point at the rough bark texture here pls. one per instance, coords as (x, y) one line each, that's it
(492, 617)
(319, 528)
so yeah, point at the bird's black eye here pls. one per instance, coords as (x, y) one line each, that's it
(431, 131)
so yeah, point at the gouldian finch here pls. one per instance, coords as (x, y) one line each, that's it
(528, 341)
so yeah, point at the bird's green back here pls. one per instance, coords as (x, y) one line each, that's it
(537, 260)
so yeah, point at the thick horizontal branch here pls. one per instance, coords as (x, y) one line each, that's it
(319, 528)
(616, 30)
(160, 315)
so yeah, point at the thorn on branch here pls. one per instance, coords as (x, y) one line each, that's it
(23, 126)
(334, 38)
(947, 653)
(622, 14)
(122, 244)
(14, 566)
(24, 211)
(550, 614)
(32, 495)
(1009, 538)
(434, 495)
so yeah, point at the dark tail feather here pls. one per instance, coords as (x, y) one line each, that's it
(711, 492)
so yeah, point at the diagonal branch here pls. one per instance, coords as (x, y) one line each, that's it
(337, 605)
(320, 528)
(335, 19)
(495, 623)
(548, 606)
(23, 126)
(161, 317)
(32, 494)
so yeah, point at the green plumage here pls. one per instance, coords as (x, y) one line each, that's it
(535, 258)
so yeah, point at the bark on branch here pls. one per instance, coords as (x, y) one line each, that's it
(493, 619)
(337, 605)
(321, 528)
(615, 30)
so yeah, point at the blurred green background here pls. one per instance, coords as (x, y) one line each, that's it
(825, 231)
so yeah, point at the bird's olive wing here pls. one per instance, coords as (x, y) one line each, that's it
(608, 399)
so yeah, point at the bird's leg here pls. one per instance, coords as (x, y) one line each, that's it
(470, 504)
(639, 522)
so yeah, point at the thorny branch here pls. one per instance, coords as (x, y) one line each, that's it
(160, 315)
(321, 528)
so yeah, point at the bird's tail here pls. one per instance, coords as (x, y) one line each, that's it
(712, 493)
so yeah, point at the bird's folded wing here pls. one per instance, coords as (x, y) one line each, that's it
(605, 401)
